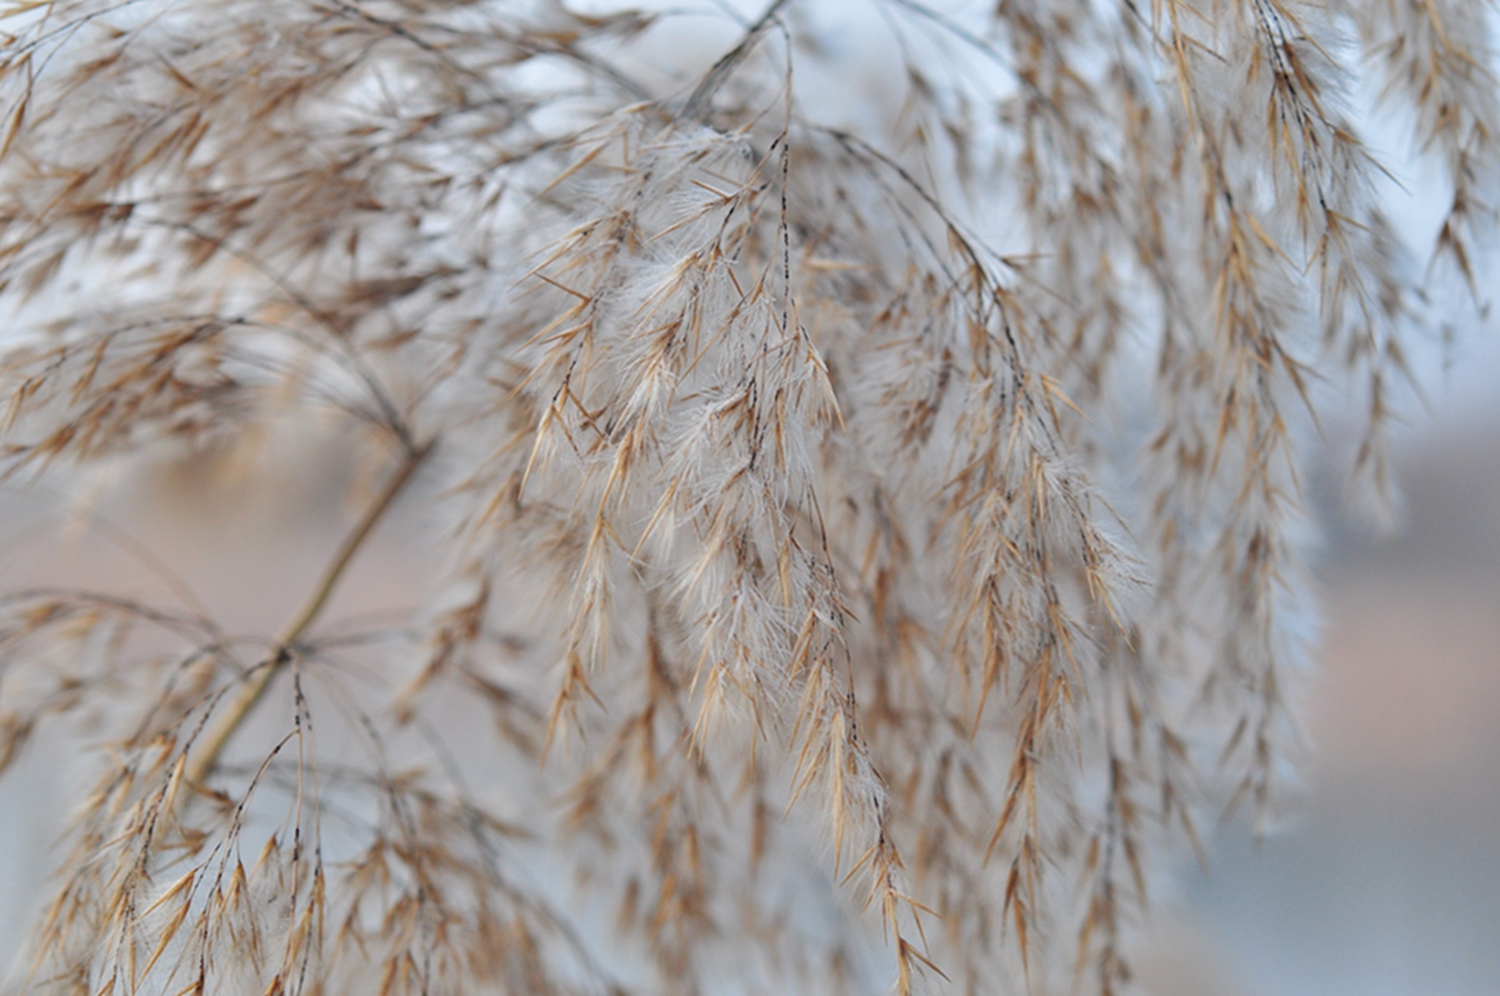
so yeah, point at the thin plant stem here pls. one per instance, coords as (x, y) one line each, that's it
(207, 757)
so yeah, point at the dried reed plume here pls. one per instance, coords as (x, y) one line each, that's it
(870, 493)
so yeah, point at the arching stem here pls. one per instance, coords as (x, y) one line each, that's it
(207, 756)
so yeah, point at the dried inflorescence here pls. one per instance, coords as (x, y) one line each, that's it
(874, 521)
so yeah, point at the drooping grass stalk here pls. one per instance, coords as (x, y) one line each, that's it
(202, 764)
(802, 447)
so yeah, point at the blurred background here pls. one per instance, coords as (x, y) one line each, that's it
(1384, 879)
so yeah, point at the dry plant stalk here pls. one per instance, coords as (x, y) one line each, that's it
(855, 604)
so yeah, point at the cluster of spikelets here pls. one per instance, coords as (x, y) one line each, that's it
(855, 600)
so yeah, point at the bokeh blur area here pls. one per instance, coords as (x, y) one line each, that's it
(1385, 878)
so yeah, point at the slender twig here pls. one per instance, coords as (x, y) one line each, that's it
(204, 761)
(697, 104)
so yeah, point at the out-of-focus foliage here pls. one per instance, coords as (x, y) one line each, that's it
(873, 514)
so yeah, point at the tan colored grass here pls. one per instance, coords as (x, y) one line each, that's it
(832, 581)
